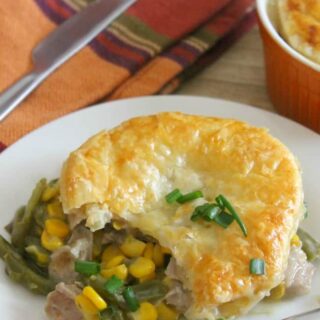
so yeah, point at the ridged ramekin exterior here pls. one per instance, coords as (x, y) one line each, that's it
(293, 86)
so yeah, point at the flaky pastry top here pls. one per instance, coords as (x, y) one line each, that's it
(131, 168)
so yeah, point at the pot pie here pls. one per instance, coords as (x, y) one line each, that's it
(168, 216)
(300, 26)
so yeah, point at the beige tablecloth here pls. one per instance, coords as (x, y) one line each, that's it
(238, 75)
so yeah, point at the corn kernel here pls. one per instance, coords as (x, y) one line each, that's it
(118, 225)
(119, 271)
(151, 276)
(158, 256)
(113, 262)
(41, 257)
(295, 241)
(132, 247)
(50, 242)
(148, 251)
(166, 313)
(85, 305)
(56, 227)
(166, 250)
(50, 192)
(110, 252)
(55, 210)
(147, 311)
(142, 267)
(278, 292)
(95, 298)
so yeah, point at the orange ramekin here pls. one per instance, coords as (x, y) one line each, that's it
(293, 80)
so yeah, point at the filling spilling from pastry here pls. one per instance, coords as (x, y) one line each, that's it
(168, 216)
(118, 272)
(114, 273)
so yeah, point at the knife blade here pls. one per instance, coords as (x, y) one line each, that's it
(60, 45)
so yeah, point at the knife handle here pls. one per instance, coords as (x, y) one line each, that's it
(10, 98)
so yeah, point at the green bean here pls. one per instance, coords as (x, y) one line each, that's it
(40, 215)
(38, 254)
(310, 246)
(150, 290)
(23, 223)
(19, 213)
(113, 312)
(32, 240)
(97, 282)
(35, 230)
(19, 271)
(306, 213)
(9, 227)
(53, 181)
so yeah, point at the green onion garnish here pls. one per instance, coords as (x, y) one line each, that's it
(131, 299)
(222, 200)
(257, 267)
(173, 196)
(190, 196)
(87, 268)
(199, 211)
(211, 212)
(223, 219)
(113, 285)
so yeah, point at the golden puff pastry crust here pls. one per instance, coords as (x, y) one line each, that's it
(129, 170)
(300, 26)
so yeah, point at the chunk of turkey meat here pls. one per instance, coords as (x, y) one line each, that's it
(60, 303)
(177, 296)
(61, 266)
(299, 274)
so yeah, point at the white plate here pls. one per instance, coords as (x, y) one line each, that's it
(41, 153)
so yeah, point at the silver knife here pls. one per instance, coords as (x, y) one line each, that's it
(60, 45)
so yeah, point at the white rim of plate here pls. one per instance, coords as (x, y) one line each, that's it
(121, 101)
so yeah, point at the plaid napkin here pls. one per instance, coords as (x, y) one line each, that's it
(151, 49)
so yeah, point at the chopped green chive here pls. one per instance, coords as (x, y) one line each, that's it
(190, 196)
(211, 212)
(113, 285)
(131, 299)
(173, 196)
(199, 211)
(87, 268)
(220, 202)
(257, 267)
(224, 219)
(221, 199)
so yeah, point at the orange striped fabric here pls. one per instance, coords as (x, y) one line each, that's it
(151, 49)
